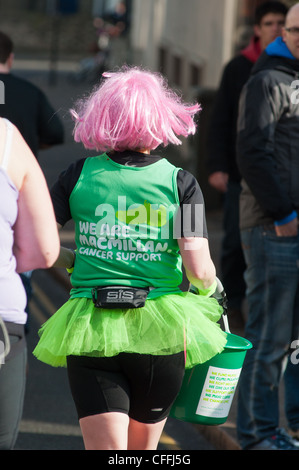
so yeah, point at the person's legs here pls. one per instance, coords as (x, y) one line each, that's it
(12, 392)
(272, 279)
(123, 402)
(157, 379)
(144, 436)
(291, 376)
(101, 395)
(107, 431)
(114, 431)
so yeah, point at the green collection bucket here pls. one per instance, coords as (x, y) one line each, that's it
(208, 389)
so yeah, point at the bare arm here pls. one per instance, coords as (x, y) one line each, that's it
(36, 240)
(199, 267)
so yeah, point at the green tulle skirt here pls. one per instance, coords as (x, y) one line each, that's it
(165, 325)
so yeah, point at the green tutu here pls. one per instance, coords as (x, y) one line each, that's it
(165, 325)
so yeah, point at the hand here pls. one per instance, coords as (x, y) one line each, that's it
(205, 291)
(66, 258)
(287, 230)
(219, 181)
(71, 269)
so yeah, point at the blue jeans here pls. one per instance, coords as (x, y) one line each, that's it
(272, 280)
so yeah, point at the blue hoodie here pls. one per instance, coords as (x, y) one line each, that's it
(280, 49)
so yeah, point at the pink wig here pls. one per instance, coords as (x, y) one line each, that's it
(132, 109)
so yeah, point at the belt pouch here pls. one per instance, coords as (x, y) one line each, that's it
(119, 297)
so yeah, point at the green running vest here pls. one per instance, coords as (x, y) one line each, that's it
(125, 227)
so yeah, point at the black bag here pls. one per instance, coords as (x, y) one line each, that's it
(119, 297)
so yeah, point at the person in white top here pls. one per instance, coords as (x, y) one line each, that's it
(28, 240)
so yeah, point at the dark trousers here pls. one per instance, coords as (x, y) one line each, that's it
(12, 391)
(232, 258)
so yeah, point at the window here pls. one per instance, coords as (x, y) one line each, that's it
(163, 60)
(195, 75)
(177, 70)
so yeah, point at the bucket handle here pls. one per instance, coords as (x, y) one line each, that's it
(220, 296)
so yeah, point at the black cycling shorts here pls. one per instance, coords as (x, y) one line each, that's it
(142, 386)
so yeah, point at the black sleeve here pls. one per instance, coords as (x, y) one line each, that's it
(50, 128)
(221, 136)
(62, 190)
(193, 218)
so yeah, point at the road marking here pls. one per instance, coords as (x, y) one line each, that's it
(37, 313)
(58, 429)
(55, 429)
(169, 442)
(44, 299)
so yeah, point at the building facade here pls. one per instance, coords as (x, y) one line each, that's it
(187, 41)
(190, 41)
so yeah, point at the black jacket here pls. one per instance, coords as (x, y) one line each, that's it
(221, 141)
(268, 142)
(28, 108)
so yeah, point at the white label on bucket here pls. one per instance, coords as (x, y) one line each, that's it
(218, 392)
